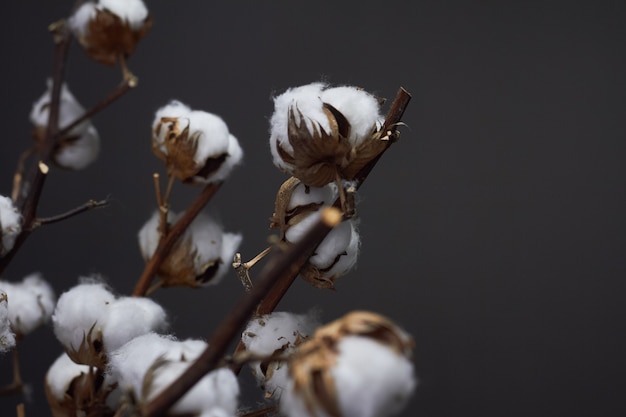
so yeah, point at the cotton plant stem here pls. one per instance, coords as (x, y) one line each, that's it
(167, 241)
(281, 263)
(89, 205)
(28, 203)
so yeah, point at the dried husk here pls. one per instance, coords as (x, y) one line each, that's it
(310, 366)
(91, 350)
(178, 268)
(109, 39)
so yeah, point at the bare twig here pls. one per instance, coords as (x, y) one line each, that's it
(242, 268)
(91, 204)
(167, 241)
(20, 410)
(282, 263)
(261, 413)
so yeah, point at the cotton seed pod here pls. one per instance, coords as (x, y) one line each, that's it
(272, 334)
(10, 224)
(357, 366)
(196, 146)
(77, 390)
(199, 258)
(81, 145)
(109, 30)
(320, 134)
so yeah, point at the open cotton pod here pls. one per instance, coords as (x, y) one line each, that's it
(357, 366)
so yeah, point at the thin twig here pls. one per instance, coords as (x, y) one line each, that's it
(91, 204)
(281, 263)
(20, 410)
(261, 413)
(120, 90)
(167, 242)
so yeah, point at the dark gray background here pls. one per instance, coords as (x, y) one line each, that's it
(493, 231)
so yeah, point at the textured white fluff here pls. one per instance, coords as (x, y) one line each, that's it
(295, 232)
(173, 109)
(217, 390)
(61, 374)
(132, 11)
(79, 21)
(81, 152)
(7, 337)
(129, 364)
(235, 155)
(230, 244)
(149, 235)
(307, 100)
(302, 195)
(346, 262)
(212, 132)
(371, 379)
(78, 310)
(31, 303)
(267, 334)
(359, 107)
(129, 317)
(10, 224)
(69, 110)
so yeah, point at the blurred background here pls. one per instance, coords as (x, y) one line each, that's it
(493, 231)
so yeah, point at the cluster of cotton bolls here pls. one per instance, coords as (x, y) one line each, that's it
(10, 224)
(109, 30)
(113, 350)
(357, 366)
(200, 257)
(195, 145)
(77, 148)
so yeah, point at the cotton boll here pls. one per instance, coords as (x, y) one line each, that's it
(10, 224)
(230, 244)
(7, 337)
(219, 389)
(78, 154)
(69, 110)
(233, 158)
(347, 260)
(372, 380)
(61, 374)
(359, 107)
(129, 317)
(166, 119)
(212, 134)
(134, 12)
(333, 245)
(30, 303)
(149, 235)
(78, 311)
(303, 196)
(276, 332)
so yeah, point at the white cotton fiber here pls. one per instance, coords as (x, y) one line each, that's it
(80, 152)
(61, 374)
(7, 337)
(10, 224)
(132, 11)
(31, 303)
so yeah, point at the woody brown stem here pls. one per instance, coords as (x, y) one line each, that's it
(282, 263)
(167, 241)
(91, 204)
(28, 203)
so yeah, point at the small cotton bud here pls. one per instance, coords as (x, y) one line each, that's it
(10, 224)
(7, 337)
(318, 134)
(195, 145)
(81, 145)
(357, 366)
(31, 303)
(276, 333)
(110, 29)
(200, 257)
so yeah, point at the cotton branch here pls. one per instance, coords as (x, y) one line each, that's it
(281, 264)
(91, 204)
(167, 241)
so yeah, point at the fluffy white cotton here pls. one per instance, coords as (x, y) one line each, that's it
(230, 244)
(371, 379)
(305, 99)
(7, 337)
(129, 317)
(10, 224)
(212, 135)
(132, 11)
(276, 332)
(218, 390)
(31, 303)
(173, 110)
(79, 21)
(233, 158)
(132, 361)
(78, 310)
(81, 152)
(149, 235)
(69, 110)
(61, 374)
(347, 259)
(303, 195)
(359, 107)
